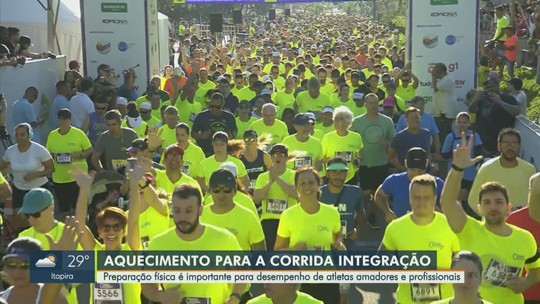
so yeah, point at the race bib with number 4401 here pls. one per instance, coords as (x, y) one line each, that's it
(425, 292)
(108, 293)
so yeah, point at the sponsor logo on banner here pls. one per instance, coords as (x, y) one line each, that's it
(103, 47)
(460, 83)
(444, 14)
(122, 46)
(114, 21)
(444, 2)
(450, 39)
(108, 7)
(430, 41)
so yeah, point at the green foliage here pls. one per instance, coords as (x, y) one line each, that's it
(531, 88)
(394, 20)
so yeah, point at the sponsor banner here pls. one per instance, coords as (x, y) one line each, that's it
(114, 33)
(443, 31)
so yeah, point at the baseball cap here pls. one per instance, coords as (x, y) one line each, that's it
(279, 148)
(64, 114)
(301, 119)
(230, 166)
(134, 118)
(145, 106)
(36, 200)
(22, 248)
(327, 110)
(357, 95)
(173, 148)
(417, 158)
(516, 82)
(250, 134)
(220, 136)
(138, 144)
(121, 101)
(222, 177)
(389, 102)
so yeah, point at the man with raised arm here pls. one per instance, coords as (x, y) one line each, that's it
(503, 248)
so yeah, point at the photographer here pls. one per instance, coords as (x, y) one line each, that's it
(494, 111)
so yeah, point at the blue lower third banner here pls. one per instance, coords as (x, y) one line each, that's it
(62, 267)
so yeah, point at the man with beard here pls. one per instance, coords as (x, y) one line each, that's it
(504, 249)
(190, 235)
(507, 169)
(173, 176)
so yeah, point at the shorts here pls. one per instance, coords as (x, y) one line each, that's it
(270, 227)
(372, 177)
(66, 195)
(18, 195)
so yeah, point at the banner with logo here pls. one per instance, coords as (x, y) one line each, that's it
(444, 31)
(115, 33)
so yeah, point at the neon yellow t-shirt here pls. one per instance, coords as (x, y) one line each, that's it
(245, 94)
(153, 122)
(346, 147)
(279, 83)
(325, 129)
(284, 101)
(193, 156)
(437, 235)
(164, 183)
(276, 132)
(316, 230)
(328, 88)
(307, 103)
(311, 150)
(140, 130)
(62, 146)
(267, 67)
(187, 111)
(318, 134)
(212, 239)
(151, 223)
(200, 94)
(210, 164)
(168, 135)
(501, 256)
(407, 93)
(502, 23)
(248, 230)
(276, 200)
(303, 298)
(243, 126)
(235, 91)
(239, 198)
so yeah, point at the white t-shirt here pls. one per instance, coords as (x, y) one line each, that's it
(23, 163)
(80, 105)
(521, 99)
(444, 100)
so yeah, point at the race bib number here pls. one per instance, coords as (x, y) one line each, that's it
(185, 169)
(425, 292)
(344, 227)
(276, 206)
(195, 301)
(63, 158)
(345, 155)
(118, 164)
(301, 162)
(108, 293)
(497, 273)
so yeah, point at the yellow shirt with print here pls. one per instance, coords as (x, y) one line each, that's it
(168, 135)
(276, 132)
(243, 126)
(187, 111)
(193, 156)
(212, 239)
(210, 164)
(164, 183)
(436, 235)
(310, 151)
(61, 145)
(346, 147)
(302, 298)
(501, 256)
(316, 230)
(276, 200)
(307, 103)
(449, 301)
(248, 230)
(239, 198)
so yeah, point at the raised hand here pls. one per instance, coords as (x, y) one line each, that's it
(83, 179)
(68, 241)
(462, 153)
(153, 139)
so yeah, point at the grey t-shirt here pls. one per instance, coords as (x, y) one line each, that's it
(113, 150)
(376, 136)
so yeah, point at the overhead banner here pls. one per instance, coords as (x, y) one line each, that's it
(444, 31)
(122, 34)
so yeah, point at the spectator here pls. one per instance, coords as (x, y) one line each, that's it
(24, 49)
(81, 104)
(515, 90)
(13, 40)
(22, 110)
(94, 123)
(61, 101)
(444, 99)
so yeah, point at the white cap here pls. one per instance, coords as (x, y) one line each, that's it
(327, 110)
(134, 122)
(337, 59)
(357, 95)
(122, 101)
(230, 166)
(145, 106)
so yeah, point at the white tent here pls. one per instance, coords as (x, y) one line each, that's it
(30, 17)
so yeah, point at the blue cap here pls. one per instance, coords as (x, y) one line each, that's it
(36, 200)
(266, 91)
(21, 248)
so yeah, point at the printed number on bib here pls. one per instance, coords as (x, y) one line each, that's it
(118, 164)
(497, 273)
(301, 162)
(63, 158)
(276, 206)
(345, 155)
(108, 293)
(425, 292)
(195, 301)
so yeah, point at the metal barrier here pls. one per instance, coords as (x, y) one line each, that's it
(203, 30)
(530, 140)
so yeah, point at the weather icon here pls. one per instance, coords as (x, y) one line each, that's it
(49, 261)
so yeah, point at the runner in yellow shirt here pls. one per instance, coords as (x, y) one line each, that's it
(505, 250)
(306, 146)
(268, 125)
(326, 125)
(190, 234)
(173, 175)
(431, 232)
(312, 99)
(244, 118)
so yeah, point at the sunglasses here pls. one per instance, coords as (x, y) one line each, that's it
(35, 215)
(22, 265)
(218, 189)
(115, 227)
(250, 139)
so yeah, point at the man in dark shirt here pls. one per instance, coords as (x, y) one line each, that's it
(211, 121)
(231, 101)
(13, 40)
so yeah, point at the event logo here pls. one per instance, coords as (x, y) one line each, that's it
(114, 7)
(122, 46)
(444, 2)
(114, 21)
(450, 39)
(430, 41)
(444, 14)
(103, 47)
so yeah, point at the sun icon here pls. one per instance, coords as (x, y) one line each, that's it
(51, 258)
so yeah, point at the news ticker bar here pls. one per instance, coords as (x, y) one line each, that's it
(310, 276)
(247, 1)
